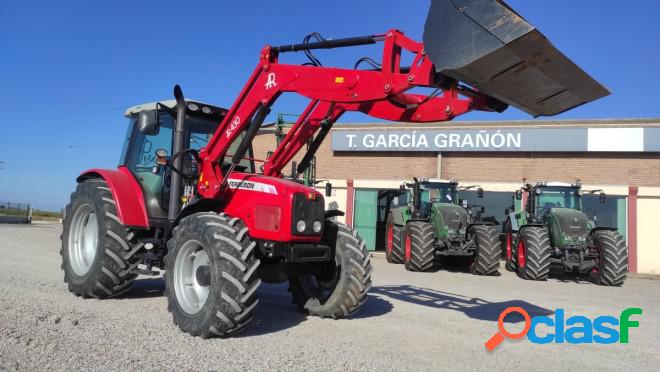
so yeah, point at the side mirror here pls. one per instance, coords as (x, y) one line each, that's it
(328, 189)
(601, 198)
(480, 193)
(519, 194)
(148, 122)
(506, 211)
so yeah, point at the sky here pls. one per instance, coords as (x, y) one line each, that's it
(69, 69)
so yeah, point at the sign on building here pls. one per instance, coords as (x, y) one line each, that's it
(483, 140)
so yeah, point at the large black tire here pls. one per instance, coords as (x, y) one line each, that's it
(487, 257)
(393, 244)
(105, 257)
(339, 288)
(533, 253)
(418, 238)
(231, 279)
(613, 258)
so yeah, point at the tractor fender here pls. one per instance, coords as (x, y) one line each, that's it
(469, 226)
(126, 192)
(531, 225)
(602, 228)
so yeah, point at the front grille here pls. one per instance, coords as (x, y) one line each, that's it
(572, 223)
(455, 217)
(308, 210)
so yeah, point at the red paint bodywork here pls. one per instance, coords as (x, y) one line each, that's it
(243, 202)
(126, 192)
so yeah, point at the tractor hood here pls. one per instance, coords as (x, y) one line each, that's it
(568, 226)
(451, 221)
(486, 44)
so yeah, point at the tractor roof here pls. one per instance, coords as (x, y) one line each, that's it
(169, 103)
(437, 180)
(557, 184)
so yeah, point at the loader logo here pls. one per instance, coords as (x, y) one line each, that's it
(578, 329)
(270, 82)
(233, 125)
(251, 186)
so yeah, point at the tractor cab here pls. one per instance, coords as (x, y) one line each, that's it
(438, 192)
(546, 198)
(147, 150)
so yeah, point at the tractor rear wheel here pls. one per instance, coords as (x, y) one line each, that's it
(612, 262)
(533, 253)
(419, 251)
(487, 257)
(95, 245)
(210, 279)
(393, 247)
(339, 288)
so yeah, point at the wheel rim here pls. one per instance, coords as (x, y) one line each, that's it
(191, 295)
(83, 239)
(321, 288)
(408, 247)
(390, 239)
(521, 253)
(509, 240)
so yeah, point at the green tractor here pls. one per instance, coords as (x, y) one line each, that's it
(427, 222)
(548, 225)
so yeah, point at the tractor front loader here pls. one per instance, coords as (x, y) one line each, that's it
(430, 223)
(188, 199)
(547, 225)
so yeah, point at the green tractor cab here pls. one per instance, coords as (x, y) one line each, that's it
(547, 224)
(428, 221)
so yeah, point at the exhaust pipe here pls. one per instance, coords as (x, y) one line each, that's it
(178, 137)
(489, 46)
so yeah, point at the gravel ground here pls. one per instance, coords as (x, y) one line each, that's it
(412, 321)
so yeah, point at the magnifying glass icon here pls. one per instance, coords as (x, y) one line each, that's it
(498, 337)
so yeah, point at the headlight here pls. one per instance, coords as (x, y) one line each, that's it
(300, 226)
(317, 226)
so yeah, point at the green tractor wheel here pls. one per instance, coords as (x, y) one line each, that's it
(533, 253)
(612, 262)
(487, 258)
(419, 252)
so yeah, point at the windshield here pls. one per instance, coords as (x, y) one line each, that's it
(199, 131)
(557, 197)
(439, 192)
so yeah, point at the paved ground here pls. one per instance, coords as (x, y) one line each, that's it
(432, 321)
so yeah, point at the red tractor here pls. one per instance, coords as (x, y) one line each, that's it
(188, 199)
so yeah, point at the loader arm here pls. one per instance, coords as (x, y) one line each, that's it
(380, 93)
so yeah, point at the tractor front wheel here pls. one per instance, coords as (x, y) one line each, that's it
(487, 257)
(210, 279)
(612, 262)
(95, 245)
(338, 288)
(419, 251)
(393, 247)
(533, 253)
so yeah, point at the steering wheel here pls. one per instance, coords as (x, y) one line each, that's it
(190, 164)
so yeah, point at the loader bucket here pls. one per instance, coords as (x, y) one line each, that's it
(487, 45)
